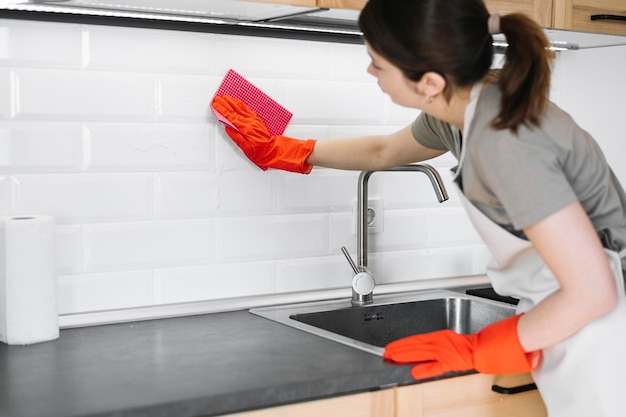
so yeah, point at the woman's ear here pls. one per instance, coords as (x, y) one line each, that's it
(431, 84)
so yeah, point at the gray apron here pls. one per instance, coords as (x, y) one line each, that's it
(584, 376)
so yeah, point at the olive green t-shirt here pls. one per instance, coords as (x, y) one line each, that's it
(518, 180)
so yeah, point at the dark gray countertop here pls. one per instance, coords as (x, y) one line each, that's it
(201, 365)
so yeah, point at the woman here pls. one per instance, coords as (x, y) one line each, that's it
(535, 185)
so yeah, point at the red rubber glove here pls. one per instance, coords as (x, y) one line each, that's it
(265, 150)
(494, 350)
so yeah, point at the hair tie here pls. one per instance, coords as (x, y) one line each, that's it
(494, 24)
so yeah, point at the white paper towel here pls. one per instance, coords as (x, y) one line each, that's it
(28, 282)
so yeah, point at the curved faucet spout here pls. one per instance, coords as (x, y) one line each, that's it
(362, 199)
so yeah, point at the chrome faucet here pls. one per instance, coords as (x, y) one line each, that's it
(363, 282)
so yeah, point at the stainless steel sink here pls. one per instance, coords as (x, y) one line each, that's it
(390, 317)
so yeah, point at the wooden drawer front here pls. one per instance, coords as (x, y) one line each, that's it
(469, 396)
(576, 15)
(342, 4)
(540, 10)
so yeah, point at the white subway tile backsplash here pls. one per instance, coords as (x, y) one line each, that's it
(403, 229)
(148, 146)
(349, 63)
(321, 190)
(209, 282)
(69, 249)
(75, 198)
(40, 44)
(256, 58)
(186, 98)
(482, 258)
(145, 50)
(40, 147)
(244, 192)
(597, 105)
(6, 94)
(424, 264)
(186, 195)
(316, 102)
(138, 245)
(193, 194)
(271, 237)
(310, 274)
(7, 193)
(83, 95)
(451, 227)
(94, 292)
(342, 232)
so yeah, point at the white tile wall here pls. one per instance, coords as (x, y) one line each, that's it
(147, 146)
(109, 130)
(6, 94)
(592, 88)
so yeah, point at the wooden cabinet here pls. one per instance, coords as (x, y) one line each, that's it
(335, 4)
(368, 404)
(540, 10)
(576, 15)
(568, 14)
(469, 396)
(466, 396)
(342, 4)
(556, 14)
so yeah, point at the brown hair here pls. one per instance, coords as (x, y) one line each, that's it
(451, 38)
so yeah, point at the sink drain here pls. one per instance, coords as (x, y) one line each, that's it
(373, 316)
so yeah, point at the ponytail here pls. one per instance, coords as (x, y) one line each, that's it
(524, 80)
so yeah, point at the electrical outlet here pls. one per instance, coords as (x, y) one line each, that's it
(375, 216)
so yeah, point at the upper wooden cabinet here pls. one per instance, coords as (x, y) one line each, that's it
(576, 15)
(342, 4)
(540, 10)
(554, 14)
(568, 14)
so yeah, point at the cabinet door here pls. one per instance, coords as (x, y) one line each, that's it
(469, 396)
(576, 15)
(369, 404)
(540, 10)
(342, 4)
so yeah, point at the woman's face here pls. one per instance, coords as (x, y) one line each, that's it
(392, 81)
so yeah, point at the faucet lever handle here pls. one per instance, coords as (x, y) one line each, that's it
(363, 284)
(350, 260)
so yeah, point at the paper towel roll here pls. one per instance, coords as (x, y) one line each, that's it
(28, 282)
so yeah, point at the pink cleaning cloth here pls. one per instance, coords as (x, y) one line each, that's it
(275, 116)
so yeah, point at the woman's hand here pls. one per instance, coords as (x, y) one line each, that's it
(494, 350)
(253, 138)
